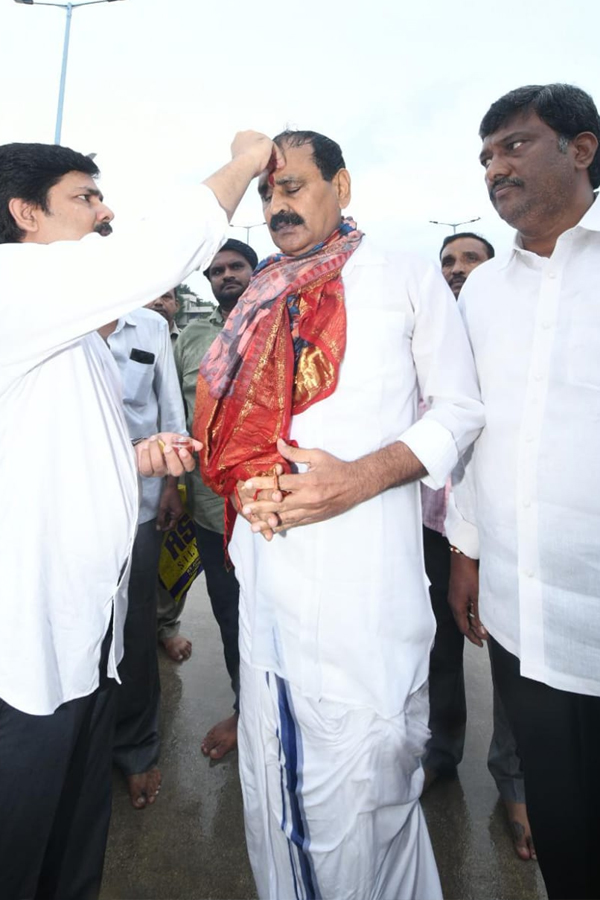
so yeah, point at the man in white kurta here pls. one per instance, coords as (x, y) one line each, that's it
(68, 483)
(525, 514)
(335, 620)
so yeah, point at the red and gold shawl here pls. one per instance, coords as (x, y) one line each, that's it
(279, 352)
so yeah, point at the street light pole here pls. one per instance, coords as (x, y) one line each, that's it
(247, 228)
(68, 7)
(454, 225)
(63, 75)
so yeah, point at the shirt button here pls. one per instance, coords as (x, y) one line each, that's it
(527, 503)
(551, 274)
(529, 438)
(538, 376)
(547, 324)
(529, 573)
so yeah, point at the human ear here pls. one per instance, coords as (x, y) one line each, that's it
(342, 184)
(585, 146)
(25, 214)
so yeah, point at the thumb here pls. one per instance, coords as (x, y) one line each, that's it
(293, 454)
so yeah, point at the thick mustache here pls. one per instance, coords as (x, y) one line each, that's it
(279, 220)
(103, 228)
(503, 182)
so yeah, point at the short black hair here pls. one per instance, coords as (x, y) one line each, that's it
(240, 247)
(28, 172)
(468, 234)
(327, 155)
(567, 109)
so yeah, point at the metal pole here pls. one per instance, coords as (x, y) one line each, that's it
(454, 225)
(63, 75)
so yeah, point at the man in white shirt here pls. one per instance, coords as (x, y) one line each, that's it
(66, 459)
(335, 620)
(528, 502)
(141, 346)
(460, 254)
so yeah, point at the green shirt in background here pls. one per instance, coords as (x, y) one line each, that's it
(206, 507)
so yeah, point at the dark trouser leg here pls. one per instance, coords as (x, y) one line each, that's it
(558, 736)
(504, 762)
(55, 798)
(224, 593)
(137, 744)
(448, 707)
(169, 613)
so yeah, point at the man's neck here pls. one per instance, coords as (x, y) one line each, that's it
(106, 330)
(542, 239)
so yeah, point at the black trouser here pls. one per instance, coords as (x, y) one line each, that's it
(137, 742)
(224, 592)
(558, 736)
(447, 701)
(55, 796)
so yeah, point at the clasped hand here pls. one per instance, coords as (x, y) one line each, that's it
(328, 488)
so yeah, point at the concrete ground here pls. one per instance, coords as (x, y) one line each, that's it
(190, 844)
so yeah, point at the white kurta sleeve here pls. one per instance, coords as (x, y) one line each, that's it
(460, 524)
(447, 378)
(70, 288)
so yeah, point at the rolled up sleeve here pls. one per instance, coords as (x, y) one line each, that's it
(460, 526)
(447, 380)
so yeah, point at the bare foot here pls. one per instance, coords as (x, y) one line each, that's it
(221, 738)
(178, 647)
(520, 829)
(144, 787)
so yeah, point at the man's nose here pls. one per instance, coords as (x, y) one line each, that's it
(279, 203)
(498, 167)
(104, 213)
(458, 268)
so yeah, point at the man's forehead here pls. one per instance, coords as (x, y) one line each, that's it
(81, 178)
(80, 181)
(520, 121)
(227, 256)
(298, 163)
(464, 245)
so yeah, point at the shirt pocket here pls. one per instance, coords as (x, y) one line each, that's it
(138, 380)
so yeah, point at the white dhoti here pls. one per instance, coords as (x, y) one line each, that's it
(331, 796)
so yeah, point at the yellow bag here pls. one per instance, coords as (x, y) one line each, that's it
(179, 562)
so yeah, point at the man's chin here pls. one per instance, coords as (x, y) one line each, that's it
(228, 301)
(290, 240)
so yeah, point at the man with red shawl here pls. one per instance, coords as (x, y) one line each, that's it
(330, 347)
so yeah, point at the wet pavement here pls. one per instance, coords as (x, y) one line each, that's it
(190, 844)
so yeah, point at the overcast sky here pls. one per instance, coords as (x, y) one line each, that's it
(157, 88)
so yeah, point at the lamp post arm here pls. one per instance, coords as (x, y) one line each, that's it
(72, 5)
